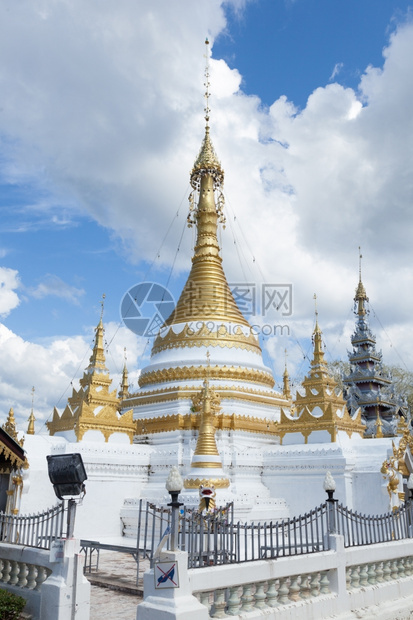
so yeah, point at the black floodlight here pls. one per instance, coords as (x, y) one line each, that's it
(67, 474)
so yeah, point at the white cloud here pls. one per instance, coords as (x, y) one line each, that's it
(337, 68)
(9, 281)
(54, 367)
(54, 286)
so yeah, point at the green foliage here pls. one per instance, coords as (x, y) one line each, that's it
(11, 605)
(337, 369)
(403, 382)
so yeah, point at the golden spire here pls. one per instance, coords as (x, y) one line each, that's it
(10, 425)
(318, 358)
(124, 390)
(286, 381)
(379, 425)
(206, 295)
(206, 444)
(361, 296)
(97, 360)
(206, 455)
(32, 419)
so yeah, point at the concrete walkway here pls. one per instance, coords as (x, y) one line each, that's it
(114, 593)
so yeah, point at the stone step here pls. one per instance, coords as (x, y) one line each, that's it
(117, 584)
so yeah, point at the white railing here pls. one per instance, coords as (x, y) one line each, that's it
(23, 574)
(52, 584)
(333, 582)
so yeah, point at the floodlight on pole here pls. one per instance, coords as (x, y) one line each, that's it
(67, 474)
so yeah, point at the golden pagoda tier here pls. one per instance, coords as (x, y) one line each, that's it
(320, 412)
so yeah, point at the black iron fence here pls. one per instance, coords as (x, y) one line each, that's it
(212, 539)
(37, 530)
(358, 529)
(215, 538)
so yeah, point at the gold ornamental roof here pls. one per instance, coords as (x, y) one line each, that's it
(322, 406)
(94, 406)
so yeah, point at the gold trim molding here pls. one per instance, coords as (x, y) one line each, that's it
(195, 483)
(204, 337)
(222, 422)
(223, 373)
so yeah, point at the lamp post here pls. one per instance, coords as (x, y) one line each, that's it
(329, 486)
(174, 484)
(410, 486)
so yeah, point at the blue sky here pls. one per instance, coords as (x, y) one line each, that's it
(101, 120)
(293, 47)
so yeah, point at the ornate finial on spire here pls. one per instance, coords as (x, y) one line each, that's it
(207, 84)
(315, 308)
(10, 425)
(32, 419)
(207, 166)
(361, 296)
(102, 304)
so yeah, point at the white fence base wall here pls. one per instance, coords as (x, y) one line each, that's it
(54, 590)
(170, 603)
(374, 581)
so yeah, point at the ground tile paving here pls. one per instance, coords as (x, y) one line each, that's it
(105, 604)
(118, 570)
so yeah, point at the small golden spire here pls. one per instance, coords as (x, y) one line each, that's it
(97, 360)
(32, 419)
(286, 380)
(206, 444)
(124, 391)
(379, 425)
(318, 359)
(361, 296)
(10, 425)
